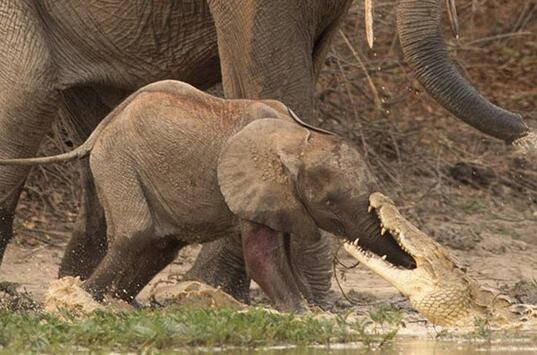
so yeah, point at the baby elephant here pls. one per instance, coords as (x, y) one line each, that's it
(174, 165)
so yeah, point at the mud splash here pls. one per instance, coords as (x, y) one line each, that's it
(67, 294)
(194, 294)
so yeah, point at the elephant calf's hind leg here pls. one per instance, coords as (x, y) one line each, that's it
(129, 266)
(83, 110)
(87, 245)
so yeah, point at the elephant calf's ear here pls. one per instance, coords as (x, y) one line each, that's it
(257, 172)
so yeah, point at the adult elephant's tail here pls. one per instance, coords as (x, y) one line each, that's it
(419, 28)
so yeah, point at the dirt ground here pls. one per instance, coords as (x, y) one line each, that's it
(472, 193)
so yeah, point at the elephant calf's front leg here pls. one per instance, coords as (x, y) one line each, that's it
(267, 264)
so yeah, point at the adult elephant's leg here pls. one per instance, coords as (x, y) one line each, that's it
(313, 261)
(84, 109)
(272, 50)
(221, 263)
(28, 101)
(265, 53)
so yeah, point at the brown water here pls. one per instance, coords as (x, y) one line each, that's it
(525, 345)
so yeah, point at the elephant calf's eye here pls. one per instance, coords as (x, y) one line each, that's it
(330, 199)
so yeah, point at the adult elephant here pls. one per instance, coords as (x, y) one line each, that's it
(83, 57)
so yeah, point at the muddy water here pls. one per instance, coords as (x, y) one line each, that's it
(525, 345)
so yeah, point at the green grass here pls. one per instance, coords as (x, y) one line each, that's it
(175, 328)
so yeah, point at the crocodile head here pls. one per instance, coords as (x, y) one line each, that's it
(438, 288)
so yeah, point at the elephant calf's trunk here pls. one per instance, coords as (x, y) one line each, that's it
(425, 51)
(369, 234)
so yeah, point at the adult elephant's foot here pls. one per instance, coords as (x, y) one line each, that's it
(6, 230)
(221, 264)
(9, 196)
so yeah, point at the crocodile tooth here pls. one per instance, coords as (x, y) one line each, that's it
(382, 231)
(369, 209)
(384, 257)
(356, 241)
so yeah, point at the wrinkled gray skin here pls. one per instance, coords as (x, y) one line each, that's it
(418, 23)
(83, 57)
(173, 165)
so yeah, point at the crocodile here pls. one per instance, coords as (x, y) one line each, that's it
(437, 286)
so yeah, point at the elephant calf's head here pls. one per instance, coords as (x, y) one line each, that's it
(294, 180)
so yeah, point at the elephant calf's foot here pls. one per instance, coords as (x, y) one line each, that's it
(83, 253)
(130, 265)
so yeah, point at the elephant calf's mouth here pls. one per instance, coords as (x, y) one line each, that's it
(387, 246)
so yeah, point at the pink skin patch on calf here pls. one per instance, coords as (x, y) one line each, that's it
(267, 264)
(261, 246)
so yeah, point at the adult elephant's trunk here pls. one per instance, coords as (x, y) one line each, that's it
(418, 23)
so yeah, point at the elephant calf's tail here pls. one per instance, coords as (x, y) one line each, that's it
(78, 153)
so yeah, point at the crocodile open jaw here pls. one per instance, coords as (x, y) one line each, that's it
(437, 286)
(434, 283)
(387, 230)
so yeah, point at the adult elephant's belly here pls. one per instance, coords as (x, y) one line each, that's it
(127, 44)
